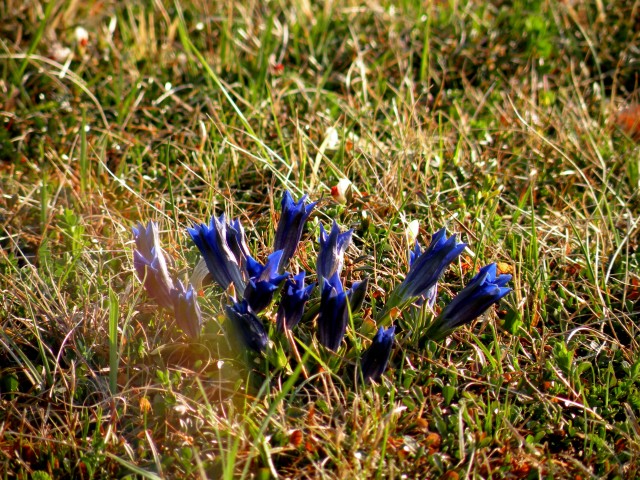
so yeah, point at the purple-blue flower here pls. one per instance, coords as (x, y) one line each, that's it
(151, 265)
(292, 301)
(485, 289)
(334, 313)
(429, 265)
(332, 248)
(187, 310)
(294, 215)
(376, 357)
(432, 293)
(221, 262)
(263, 281)
(237, 242)
(424, 272)
(247, 326)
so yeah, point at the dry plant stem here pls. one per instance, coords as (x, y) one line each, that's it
(294, 348)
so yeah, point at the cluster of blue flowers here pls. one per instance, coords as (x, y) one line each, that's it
(252, 285)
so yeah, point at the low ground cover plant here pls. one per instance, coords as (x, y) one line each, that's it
(208, 224)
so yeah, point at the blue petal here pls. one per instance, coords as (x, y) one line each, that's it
(294, 297)
(221, 262)
(427, 268)
(376, 358)
(247, 326)
(481, 292)
(289, 230)
(187, 310)
(334, 313)
(332, 249)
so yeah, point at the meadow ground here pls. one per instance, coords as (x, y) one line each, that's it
(498, 120)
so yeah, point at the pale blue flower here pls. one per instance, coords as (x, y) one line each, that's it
(151, 265)
(332, 248)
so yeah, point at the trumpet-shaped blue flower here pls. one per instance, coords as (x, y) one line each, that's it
(292, 301)
(151, 265)
(485, 289)
(429, 265)
(424, 272)
(432, 293)
(212, 242)
(334, 313)
(332, 248)
(263, 281)
(376, 357)
(247, 326)
(294, 215)
(187, 310)
(237, 242)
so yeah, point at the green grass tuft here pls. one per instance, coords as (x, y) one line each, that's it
(498, 120)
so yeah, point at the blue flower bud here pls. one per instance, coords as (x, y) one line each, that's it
(376, 357)
(223, 266)
(151, 265)
(292, 301)
(187, 310)
(428, 266)
(332, 248)
(247, 326)
(334, 313)
(289, 231)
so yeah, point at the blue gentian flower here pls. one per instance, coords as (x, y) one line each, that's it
(151, 265)
(356, 294)
(292, 300)
(424, 272)
(237, 242)
(432, 293)
(294, 215)
(263, 281)
(414, 253)
(429, 265)
(247, 326)
(334, 313)
(212, 242)
(485, 289)
(187, 310)
(332, 248)
(376, 357)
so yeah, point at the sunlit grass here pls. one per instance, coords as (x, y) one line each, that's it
(495, 122)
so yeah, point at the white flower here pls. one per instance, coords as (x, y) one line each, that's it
(82, 36)
(339, 191)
